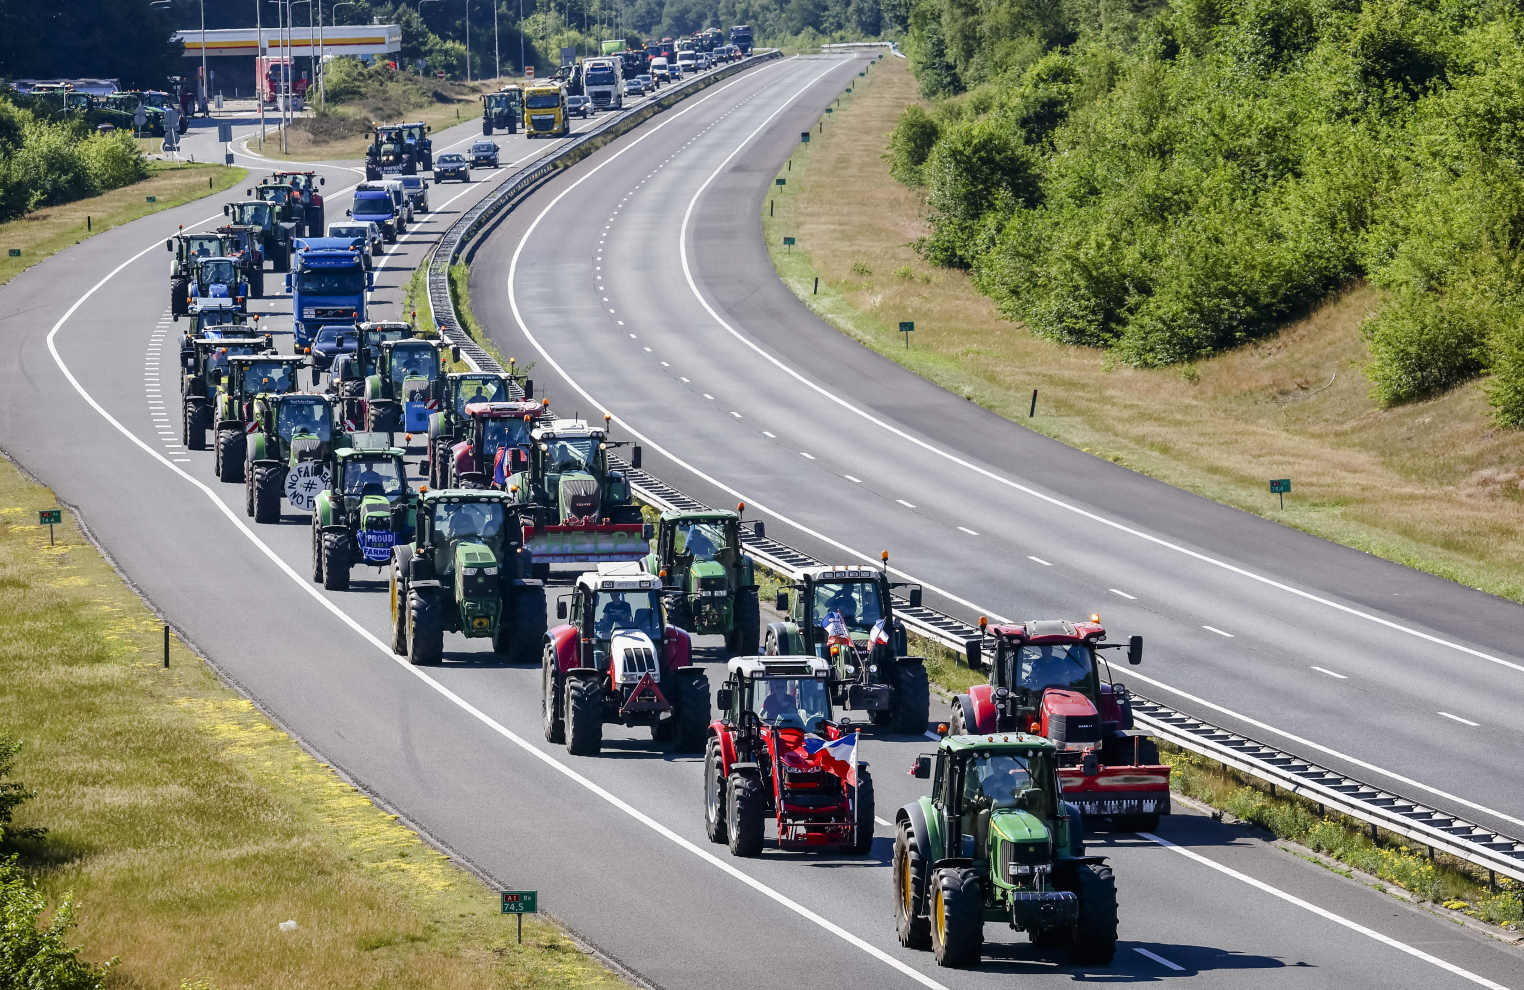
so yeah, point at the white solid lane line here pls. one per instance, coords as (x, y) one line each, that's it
(1159, 959)
(1218, 631)
(1324, 913)
(1463, 721)
(1325, 670)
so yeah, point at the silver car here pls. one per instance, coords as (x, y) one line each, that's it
(369, 230)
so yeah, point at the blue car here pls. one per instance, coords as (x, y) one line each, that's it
(332, 342)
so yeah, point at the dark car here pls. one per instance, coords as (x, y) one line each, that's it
(578, 106)
(451, 166)
(332, 341)
(483, 154)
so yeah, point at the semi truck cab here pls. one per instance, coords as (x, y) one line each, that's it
(545, 111)
(328, 281)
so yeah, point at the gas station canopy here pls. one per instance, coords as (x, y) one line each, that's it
(366, 39)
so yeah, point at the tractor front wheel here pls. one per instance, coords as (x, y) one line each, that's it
(230, 453)
(336, 561)
(692, 713)
(909, 890)
(912, 698)
(425, 628)
(1095, 936)
(266, 488)
(257, 283)
(398, 589)
(179, 290)
(957, 917)
(957, 725)
(862, 807)
(747, 632)
(195, 430)
(744, 815)
(317, 552)
(714, 791)
(551, 695)
(520, 624)
(584, 716)
(439, 465)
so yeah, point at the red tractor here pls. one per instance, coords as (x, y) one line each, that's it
(775, 752)
(496, 444)
(616, 660)
(1045, 679)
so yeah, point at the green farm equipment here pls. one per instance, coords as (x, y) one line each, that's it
(995, 841)
(466, 571)
(495, 443)
(406, 384)
(844, 614)
(287, 452)
(391, 153)
(503, 110)
(204, 360)
(367, 509)
(309, 201)
(274, 224)
(708, 579)
(243, 246)
(233, 418)
(449, 424)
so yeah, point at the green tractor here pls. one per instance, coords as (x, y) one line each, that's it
(406, 385)
(187, 250)
(204, 360)
(845, 614)
(503, 110)
(274, 226)
(367, 509)
(466, 571)
(995, 841)
(287, 452)
(233, 419)
(709, 579)
(449, 424)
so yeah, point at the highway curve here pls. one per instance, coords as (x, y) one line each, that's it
(615, 844)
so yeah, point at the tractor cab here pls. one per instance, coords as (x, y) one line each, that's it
(416, 136)
(1049, 678)
(218, 278)
(389, 153)
(304, 183)
(778, 692)
(249, 375)
(569, 473)
(201, 355)
(496, 444)
(406, 384)
(616, 609)
(301, 425)
(290, 438)
(366, 508)
(471, 543)
(189, 248)
(219, 316)
(709, 579)
(448, 424)
(252, 213)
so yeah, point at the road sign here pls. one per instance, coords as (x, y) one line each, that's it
(439, 75)
(780, 182)
(49, 518)
(906, 328)
(1280, 486)
(153, 199)
(804, 136)
(224, 131)
(528, 72)
(788, 241)
(303, 483)
(521, 901)
(15, 252)
(140, 118)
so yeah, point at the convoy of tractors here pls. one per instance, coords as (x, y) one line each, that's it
(518, 506)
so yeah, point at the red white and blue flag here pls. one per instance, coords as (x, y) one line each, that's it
(838, 756)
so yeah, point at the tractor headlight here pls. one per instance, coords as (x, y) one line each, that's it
(1020, 870)
(489, 570)
(872, 668)
(470, 572)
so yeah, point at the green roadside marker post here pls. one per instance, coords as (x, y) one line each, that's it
(15, 252)
(1280, 486)
(788, 242)
(49, 518)
(907, 328)
(153, 199)
(521, 902)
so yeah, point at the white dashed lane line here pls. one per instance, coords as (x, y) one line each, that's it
(1214, 629)
(1325, 670)
(968, 531)
(1159, 959)
(1116, 591)
(1462, 721)
(1039, 560)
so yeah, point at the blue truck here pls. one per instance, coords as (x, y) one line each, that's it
(328, 282)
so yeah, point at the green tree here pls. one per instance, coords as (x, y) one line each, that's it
(39, 957)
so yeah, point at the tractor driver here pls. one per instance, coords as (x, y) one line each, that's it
(616, 615)
(698, 544)
(367, 482)
(844, 602)
(779, 704)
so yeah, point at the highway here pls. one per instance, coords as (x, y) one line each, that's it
(615, 844)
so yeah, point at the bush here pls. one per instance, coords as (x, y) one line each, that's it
(910, 143)
(46, 162)
(114, 160)
(32, 956)
(1423, 345)
(13, 794)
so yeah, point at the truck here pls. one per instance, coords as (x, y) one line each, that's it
(448, 423)
(575, 507)
(187, 249)
(615, 659)
(391, 153)
(277, 75)
(494, 443)
(503, 110)
(328, 282)
(603, 79)
(287, 451)
(545, 111)
(365, 509)
(776, 752)
(844, 614)
(233, 415)
(304, 185)
(707, 577)
(1046, 679)
(465, 571)
(273, 225)
(997, 840)
(740, 36)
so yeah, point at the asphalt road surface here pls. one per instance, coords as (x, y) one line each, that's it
(615, 844)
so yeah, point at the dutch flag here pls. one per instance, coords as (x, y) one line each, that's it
(839, 756)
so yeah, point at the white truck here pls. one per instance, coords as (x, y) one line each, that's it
(603, 82)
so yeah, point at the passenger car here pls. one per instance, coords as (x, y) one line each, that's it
(483, 154)
(451, 166)
(579, 106)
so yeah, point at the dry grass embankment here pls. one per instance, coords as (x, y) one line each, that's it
(189, 827)
(1434, 485)
(44, 233)
(339, 134)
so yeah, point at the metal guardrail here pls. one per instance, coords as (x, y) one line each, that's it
(1440, 830)
(459, 233)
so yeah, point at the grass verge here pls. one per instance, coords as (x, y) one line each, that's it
(1433, 485)
(339, 133)
(188, 827)
(44, 233)
(1444, 880)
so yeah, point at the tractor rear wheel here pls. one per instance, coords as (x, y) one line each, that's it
(1095, 936)
(912, 698)
(862, 807)
(266, 488)
(398, 589)
(336, 561)
(520, 625)
(552, 694)
(439, 465)
(584, 716)
(692, 714)
(910, 890)
(425, 628)
(230, 454)
(747, 633)
(317, 551)
(744, 815)
(957, 917)
(257, 283)
(179, 289)
(957, 724)
(714, 791)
